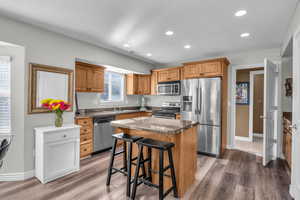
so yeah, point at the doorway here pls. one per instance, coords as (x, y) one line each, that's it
(249, 110)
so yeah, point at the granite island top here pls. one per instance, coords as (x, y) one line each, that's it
(159, 125)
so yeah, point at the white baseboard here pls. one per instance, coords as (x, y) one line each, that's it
(258, 135)
(19, 176)
(229, 146)
(294, 191)
(247, 139)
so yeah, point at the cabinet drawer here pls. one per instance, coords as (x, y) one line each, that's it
(86, 149)
(61, 135)
(85, 130)
(85, 122)
(86, 138)
(128, 116)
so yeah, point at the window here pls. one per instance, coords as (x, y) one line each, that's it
(113, 87)
(5, 117)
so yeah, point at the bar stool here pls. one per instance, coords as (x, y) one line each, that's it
(127, 159)
(162, 147)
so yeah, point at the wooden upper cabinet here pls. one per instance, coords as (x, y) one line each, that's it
(207, 68)
(97, 84)
(89, 78)
(211, 69)
(138, 84)
(169, 74)
(81, 79)
(191, 71)
(153, 83)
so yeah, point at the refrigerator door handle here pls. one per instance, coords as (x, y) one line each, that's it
(197, 101)
(200, 98)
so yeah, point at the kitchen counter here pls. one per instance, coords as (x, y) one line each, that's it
(159, 125)
(108, 113)
(183, 134)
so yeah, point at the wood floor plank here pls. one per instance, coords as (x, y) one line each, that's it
(237, 176)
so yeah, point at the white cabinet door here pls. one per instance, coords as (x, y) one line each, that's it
(61, 158)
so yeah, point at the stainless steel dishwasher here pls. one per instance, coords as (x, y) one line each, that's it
(102, 133)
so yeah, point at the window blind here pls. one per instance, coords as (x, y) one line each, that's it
(5, 95)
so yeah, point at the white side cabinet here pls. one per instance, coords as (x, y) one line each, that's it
(57, 151)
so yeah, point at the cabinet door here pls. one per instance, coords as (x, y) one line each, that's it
(153, 83)
(144, 84)
(131, 84)
(191, 71)
(97, 81)
(174, 74)
(211, 69)
(289, 148)
(163, 76)
(81, 79)
(61, 157)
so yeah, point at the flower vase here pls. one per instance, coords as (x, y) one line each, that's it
(58, 119)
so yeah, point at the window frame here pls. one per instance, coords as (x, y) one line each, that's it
(110, 88)
(2, 130)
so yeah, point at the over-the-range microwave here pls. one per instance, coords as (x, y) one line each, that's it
(169, 88)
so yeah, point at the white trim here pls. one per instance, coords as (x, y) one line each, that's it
(18, 176)
(232, 104)
(260, 135)
(241, 138)
(252, 74)
(294, 191)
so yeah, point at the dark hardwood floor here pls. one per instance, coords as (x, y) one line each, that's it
(238, 176)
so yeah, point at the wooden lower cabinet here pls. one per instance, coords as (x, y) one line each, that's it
(287, 141)
(86, 136)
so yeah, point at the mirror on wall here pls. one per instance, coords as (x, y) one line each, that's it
(49, 82)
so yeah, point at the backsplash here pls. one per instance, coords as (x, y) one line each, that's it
(157, 101)
(92, 100)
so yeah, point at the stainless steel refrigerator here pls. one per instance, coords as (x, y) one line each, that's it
(201, 101)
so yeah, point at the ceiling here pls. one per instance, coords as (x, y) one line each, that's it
(209, 26)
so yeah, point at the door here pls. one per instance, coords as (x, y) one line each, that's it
(97, 81)
(81, 79)
(295, 172)
(209, 101)
(209, 139)
(189, 99)
(270, 108)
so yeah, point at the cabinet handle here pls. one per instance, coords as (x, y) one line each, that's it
(84, 149)
(64, 135)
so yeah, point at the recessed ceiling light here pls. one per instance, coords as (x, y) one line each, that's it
(240, 13)
(169, 33)
(187, 46)
(149, 54)
(126, 45)
(243, 35)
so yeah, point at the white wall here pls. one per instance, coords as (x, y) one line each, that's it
(286, 72)
(14, 160)
(293, 26)
(49, 48)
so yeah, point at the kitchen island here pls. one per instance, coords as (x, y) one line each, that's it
(180, 132)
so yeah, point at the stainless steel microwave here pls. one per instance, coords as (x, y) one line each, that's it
(169, 88)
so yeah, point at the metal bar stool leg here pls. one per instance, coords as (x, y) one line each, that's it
(125, 156)
(161, 175)
(175, 192)
(129, 169)
(137, 171)
(150, 164)
(111, 162)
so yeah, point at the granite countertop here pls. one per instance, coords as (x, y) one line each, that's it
(108, 113)
(159, 125)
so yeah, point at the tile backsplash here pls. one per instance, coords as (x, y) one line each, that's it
(92, 100)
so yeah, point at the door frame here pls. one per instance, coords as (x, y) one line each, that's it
(295, 186)
(232, 102)
(252, 74)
